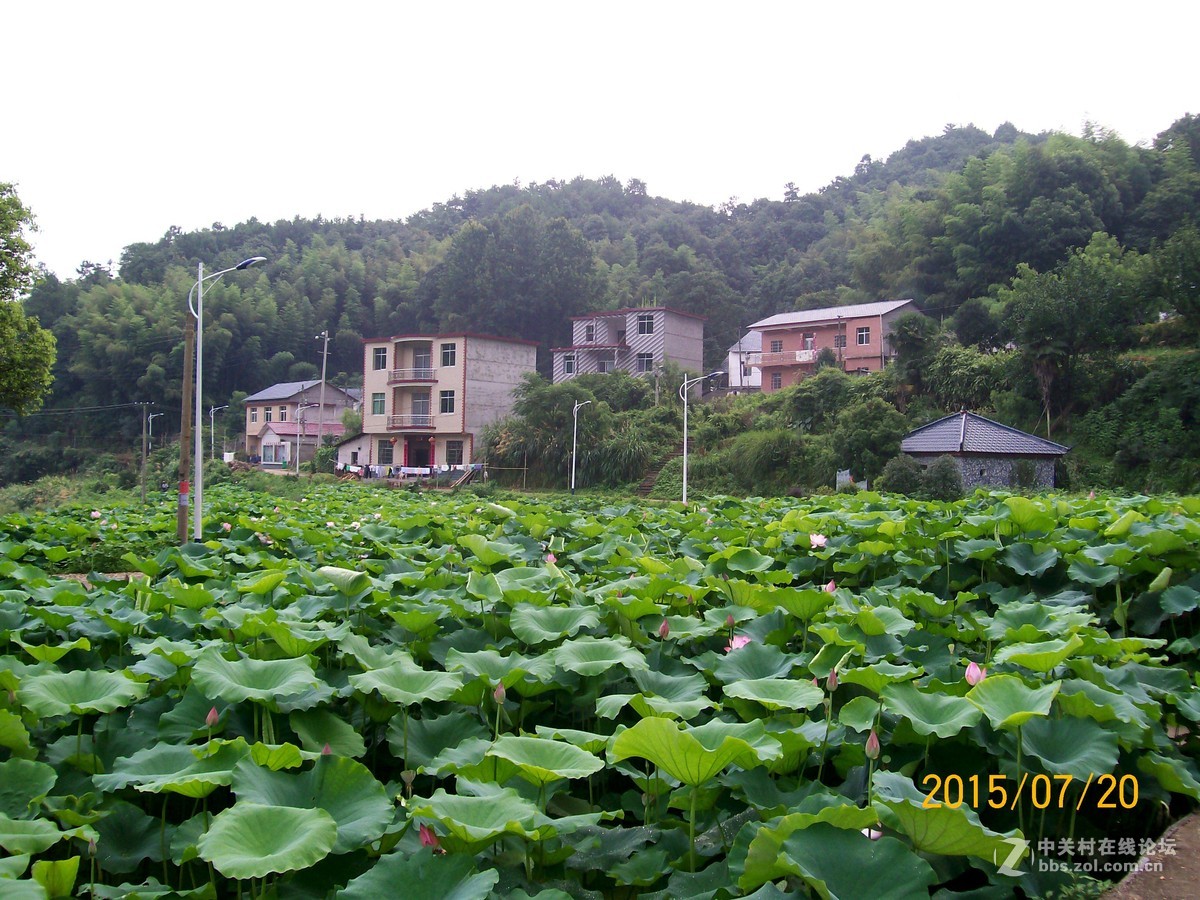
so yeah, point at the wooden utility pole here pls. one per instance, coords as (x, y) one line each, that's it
(185, 429)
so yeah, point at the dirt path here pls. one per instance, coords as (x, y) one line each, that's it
(1180, 875)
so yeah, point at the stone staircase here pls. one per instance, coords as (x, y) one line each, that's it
(647, 483)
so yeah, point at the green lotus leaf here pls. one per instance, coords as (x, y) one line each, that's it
(342, 787)
(263, 680)
(767, 842)
(777, 693)
(936, 829)
(539, 625)
(189, 596)
(126, 837)
(541, 761)
(749, 663)
(14, 735)
(494, 668)
(419, 741)
(930, 713)
(1008, 702)
(249, 840)
(476, 819)
(28, 836)
(878, 676)
(860, 713)
(489, 553)
(52, 653)
(1092, 575)
(417, 618)
(1028, 515)
(841, 864)
(79, 691)
(401, 683)
(585, 740)
(318, 728)
(877, 620)
(982, 548)
(261, 583)
(1179, 776)
(593, 656)
(484, 586)
(1038, 657)
(57, 876)
(14, 866)
(747, 560)
(1179, 599)
(1081, 748)
(348, 581)
(1025, 559)
(425, 876)
(693, 756)
(175, 769)
(23, 783)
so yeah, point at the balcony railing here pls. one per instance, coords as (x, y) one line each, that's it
(396, 375)
(786, 358)
(410, 420)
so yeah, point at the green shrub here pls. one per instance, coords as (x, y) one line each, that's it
(901, 475)
(942, 480)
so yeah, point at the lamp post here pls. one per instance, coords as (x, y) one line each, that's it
(150, 423)
(197, 312)
(300, 434)
(683, 395)
(324, 335)
(212, 430)
(575, 437)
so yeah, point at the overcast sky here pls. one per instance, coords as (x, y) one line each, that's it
(125, 118)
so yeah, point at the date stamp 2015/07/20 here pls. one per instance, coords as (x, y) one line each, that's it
(1042, 791)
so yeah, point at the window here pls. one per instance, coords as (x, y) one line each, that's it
(267, 412)
(449, 354)
(776, 346)
(645, 362)
(447, 401)
(274, 453)
(377, 403)
(568, 363)
(645, 323)
(606, 365)
(589, 333)
(354, 457)
(379, 358)
(385, 451)
(776, 380)
(839, 342)
(864, 336)
(253, 414)
(283, 414)
(454, 453)
(423, 357)
(621, 336)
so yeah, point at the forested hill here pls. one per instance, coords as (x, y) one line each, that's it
(943, 220)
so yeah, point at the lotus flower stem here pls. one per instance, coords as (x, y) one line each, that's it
(692, 829)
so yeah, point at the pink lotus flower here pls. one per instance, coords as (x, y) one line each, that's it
(664, 629)
(225, 526)
(95, 513)
(737, 642)
(499, 693)
(872, 747)
(831, 587)
(212, 718)
(429, 838)
(832, 681)
(975, 673)
(551, 558)
(818, 541)
(1091, 495)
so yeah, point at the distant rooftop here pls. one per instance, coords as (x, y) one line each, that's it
(833, 313)
(751, 342)
(967, 432)
(286, 390)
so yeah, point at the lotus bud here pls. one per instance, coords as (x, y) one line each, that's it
(499, 693)
(551, 558)
(212, 718)
(92, 847)
(428, 837)
(664, 629)
(327, 750)
(831, 587)
(975, 673)
(872, 748)
(1091, 495)
(729, 623)
(832, 681)
(408, 776)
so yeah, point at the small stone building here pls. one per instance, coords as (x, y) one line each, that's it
(988, 454)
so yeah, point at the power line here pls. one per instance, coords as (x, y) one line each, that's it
(77, 409)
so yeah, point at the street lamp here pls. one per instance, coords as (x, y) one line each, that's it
(300, 434)
(197, 312)
(575, 437)
(324, 335)
(683, 395)
(150, 423)
(212, 431)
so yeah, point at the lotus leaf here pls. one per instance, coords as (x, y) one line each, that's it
(79, 691)
(425, 876)
(402, 684)
(250, 840)
(541, 760)
(1009, 703)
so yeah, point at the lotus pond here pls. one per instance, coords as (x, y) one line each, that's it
(373, 694)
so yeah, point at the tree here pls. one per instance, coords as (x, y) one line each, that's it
(27, 351)
(1176, 269)
(867, 435)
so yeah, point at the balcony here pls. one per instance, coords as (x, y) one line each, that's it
(786, 358)
(397, 376)
(410, 420)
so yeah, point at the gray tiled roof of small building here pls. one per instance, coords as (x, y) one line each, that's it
(826, 313)
(282, 391)
(751, 342)
(970, 433)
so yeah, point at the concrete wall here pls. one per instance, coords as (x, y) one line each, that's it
(677, 337)
(984, 470)
(492, 370)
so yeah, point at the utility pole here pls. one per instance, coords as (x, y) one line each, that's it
(143, 406)
(321, 411)
(185, 428)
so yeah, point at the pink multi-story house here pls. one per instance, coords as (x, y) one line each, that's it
(857, 335)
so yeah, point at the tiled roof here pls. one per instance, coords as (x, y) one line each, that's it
(832, 314)
(751, 342)
(966, 432)
(285, 390)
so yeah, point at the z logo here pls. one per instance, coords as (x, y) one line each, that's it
(1019, 848)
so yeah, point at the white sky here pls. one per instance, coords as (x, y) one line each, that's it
(124, 118)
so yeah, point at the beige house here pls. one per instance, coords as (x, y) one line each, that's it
(426, 397)
(631, 340)
(282, 420)
(856, 335)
